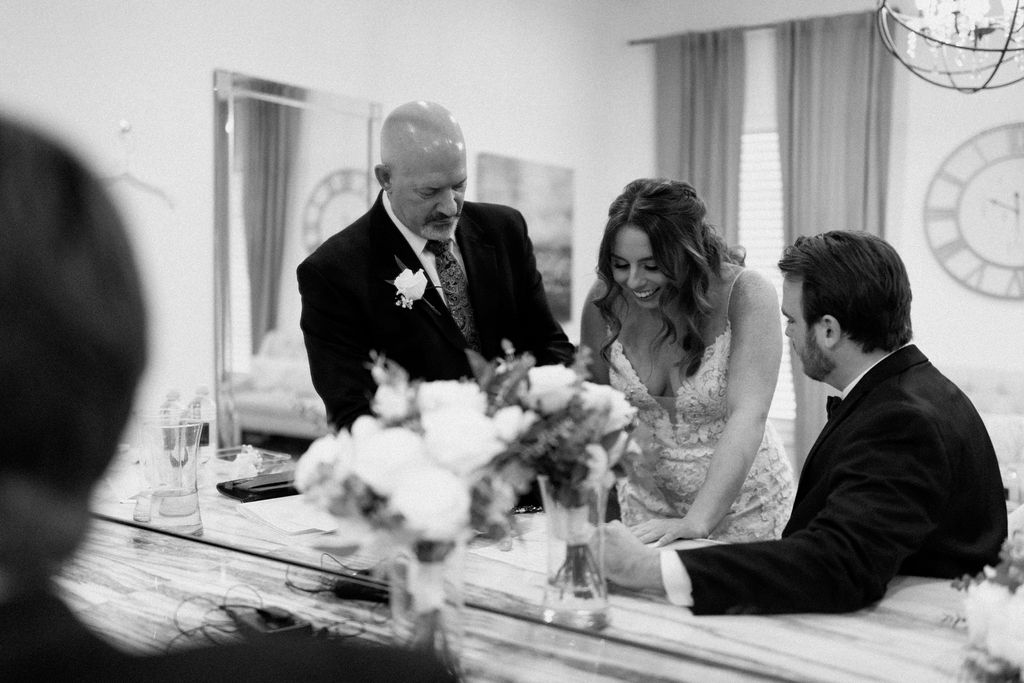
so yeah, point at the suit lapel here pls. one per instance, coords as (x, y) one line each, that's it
(389, 245)
(892, 365)
(482, 275)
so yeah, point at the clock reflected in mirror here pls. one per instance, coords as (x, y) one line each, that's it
(337, 200)
(974, 212)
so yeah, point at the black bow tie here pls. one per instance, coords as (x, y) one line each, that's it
(832, 405)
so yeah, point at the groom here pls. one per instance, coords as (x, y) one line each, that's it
(901, 480)
(482, 283)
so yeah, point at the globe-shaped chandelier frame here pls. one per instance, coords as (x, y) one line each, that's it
(954, 51)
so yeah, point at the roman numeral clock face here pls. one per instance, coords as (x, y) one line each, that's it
(338, 198)
(974, 213)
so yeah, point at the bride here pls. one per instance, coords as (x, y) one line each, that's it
(693, 339)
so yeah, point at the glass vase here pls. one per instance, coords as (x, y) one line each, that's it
(426, 599)
(576, 592)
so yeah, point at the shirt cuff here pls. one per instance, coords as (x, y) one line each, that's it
(676, 579)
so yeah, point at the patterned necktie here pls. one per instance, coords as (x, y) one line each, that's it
(832, 405)
(456, 292)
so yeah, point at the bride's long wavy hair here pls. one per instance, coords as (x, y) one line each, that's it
(685, 248)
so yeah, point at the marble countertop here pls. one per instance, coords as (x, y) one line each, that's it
(146, 590)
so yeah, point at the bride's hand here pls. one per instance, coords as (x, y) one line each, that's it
(664, 531)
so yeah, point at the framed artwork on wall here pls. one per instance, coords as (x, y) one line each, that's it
(543, 193)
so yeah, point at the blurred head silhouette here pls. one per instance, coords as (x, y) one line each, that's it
(72, 348)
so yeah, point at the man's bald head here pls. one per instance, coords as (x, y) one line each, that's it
(419, 128)
(423, 167)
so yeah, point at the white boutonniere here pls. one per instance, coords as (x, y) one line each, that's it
(409, 286)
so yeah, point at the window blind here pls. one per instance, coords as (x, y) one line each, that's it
(761, 234)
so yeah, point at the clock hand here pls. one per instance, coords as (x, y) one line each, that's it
(1016, 204)
(1014, 208)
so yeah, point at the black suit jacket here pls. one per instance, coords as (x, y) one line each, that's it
(348, 306)
(40, 640)
(902, 480)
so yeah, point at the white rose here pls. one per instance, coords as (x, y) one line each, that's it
(433, 501)
(365, 426)
(551, 388)
(604, 397)
(382, 455)
(511, 422)
(450, 394)
(460, 440)
(411, 285)
(392, 403)
(324, 465)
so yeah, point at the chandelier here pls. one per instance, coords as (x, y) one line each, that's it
(966, 45)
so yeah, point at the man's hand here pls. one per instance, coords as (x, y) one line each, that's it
(664, 531)
(628, 562)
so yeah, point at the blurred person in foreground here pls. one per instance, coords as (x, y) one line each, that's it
(903, 478)
(72, 348)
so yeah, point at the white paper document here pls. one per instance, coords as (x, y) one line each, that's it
(289, 515)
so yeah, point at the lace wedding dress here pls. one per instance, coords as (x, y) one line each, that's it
(679, 435)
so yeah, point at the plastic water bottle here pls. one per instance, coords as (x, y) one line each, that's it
(171, 410)
(202, 407)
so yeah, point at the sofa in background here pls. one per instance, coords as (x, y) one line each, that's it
(276, 397)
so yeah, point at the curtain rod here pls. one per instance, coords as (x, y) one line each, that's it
(754, 27)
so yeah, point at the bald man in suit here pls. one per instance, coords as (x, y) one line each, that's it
(483, 283)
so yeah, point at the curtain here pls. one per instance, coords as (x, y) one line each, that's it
(699, 80)
(268, 135)
(834, 114)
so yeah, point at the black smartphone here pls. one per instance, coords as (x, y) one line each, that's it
(260, 487)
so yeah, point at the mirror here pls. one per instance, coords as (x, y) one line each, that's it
(292, 167)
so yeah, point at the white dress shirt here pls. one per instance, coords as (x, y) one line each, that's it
(419, 246)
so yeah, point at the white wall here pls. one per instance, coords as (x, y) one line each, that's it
(955, 326)
(553, 81)
(537, 79)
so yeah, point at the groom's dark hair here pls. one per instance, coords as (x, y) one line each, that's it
(857, 278)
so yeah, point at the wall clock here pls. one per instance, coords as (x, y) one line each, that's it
(974, 212)
(338, 198)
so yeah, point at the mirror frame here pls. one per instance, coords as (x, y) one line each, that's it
(229, 88)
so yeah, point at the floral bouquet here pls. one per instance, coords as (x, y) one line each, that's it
(440, 460)
(994, 608)
(578, 433)
(575, 434)
(423, 467)
(424, 473)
